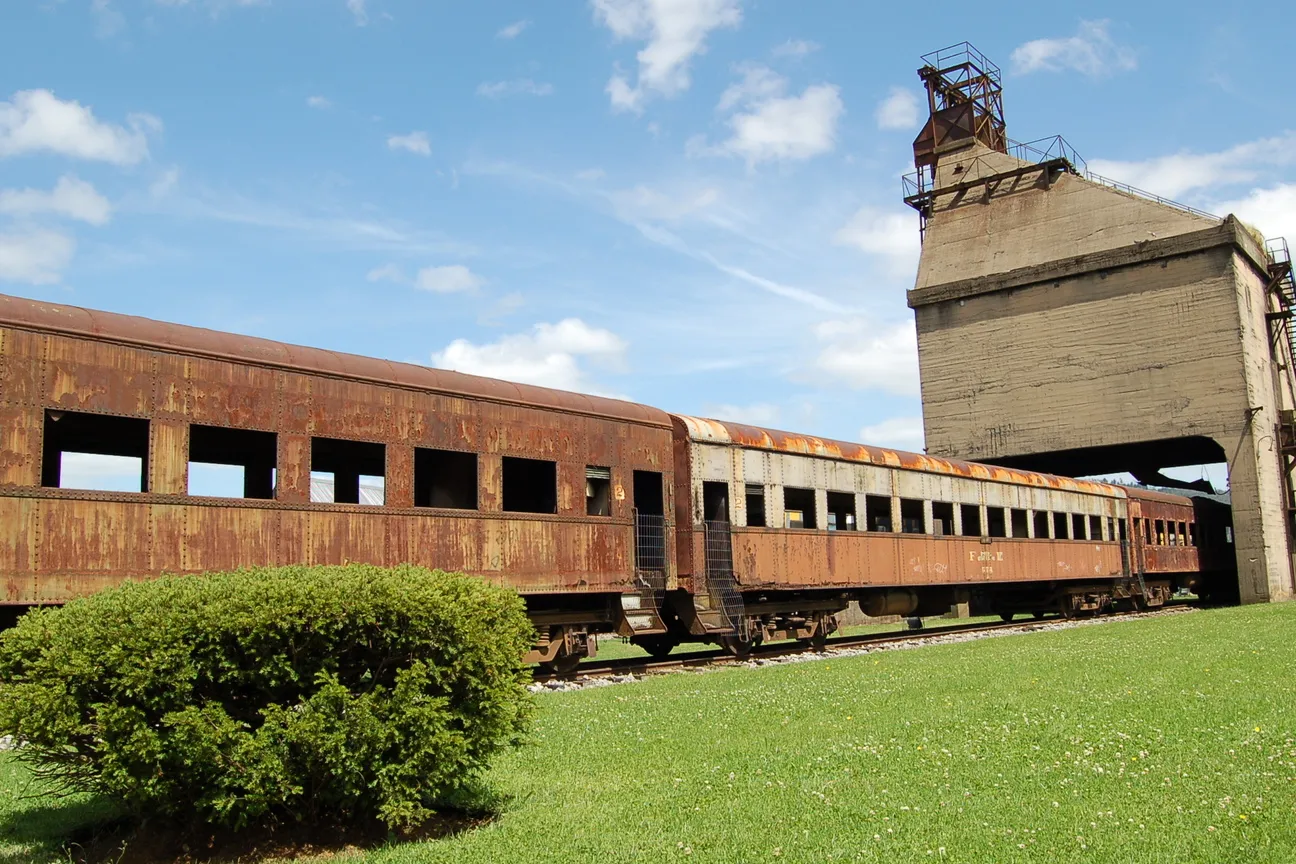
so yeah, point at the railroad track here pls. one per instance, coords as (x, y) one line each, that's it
(641, 666)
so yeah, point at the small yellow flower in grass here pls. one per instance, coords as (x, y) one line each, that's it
(1242, 816)
(849, 718)
(1257, 729)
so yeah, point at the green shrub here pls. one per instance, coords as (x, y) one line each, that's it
(297, 693)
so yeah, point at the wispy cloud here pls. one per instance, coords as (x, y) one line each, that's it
(673, 32)
(359, 12)
(868, 355)
(515, 87)
(1182, 172)
(414, 142)
(1090, 52)
(319, 102)
(891, 236)
(35, 257)
(902, 433)
(513, 30)
(71, 197)
(795, 48)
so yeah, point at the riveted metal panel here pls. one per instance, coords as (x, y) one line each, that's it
(19, 545)
(20, 444)
(93, 376)
(294, 403)
(225, 538)
(490, 468)
(225, 394)
(87, 545)
(398, 490)
(293, 469)
(349, 410)
(21, 360)
(167, 546)
(168, 462)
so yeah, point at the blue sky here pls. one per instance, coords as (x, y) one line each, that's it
(689, 203)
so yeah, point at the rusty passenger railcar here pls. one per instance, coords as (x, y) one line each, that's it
(777, 532)
(563, 496)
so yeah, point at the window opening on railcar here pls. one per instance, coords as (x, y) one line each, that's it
(445, 478)
(755, 505)
(1095, 527)
(841, 511)
(1041, 524)
(1020, 524)
(996, 524)
(877, 513)
(1061, 526)
(799, 508)
(1077, 526)
(348, 472)
(1183, 534)
(598, 491)
(648, 497)
(1160, 532)
(95, 452)
(971, 516)
(1138, 528)
(1147, 531)
(715, 501)
(1120, 529)
(911, 516)
(1228, 534)
(1192, 533)
(942, 518)
(1111, 529)
(530, 485)
(231, 463)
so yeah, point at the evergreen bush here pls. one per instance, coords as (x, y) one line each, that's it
(339, 694)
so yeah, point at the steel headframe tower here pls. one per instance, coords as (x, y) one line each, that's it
(964, 101)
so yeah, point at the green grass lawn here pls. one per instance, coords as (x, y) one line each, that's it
(1166, 739)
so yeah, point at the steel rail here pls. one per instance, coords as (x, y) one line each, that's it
(640, 666)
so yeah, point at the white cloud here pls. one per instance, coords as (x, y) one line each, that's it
(38, 121)
(551, 355)
(447, 279)
(591, 174)
(795, 48)
(70, 197)
(869, 356)
(674, 30)
(165, 184)
(414, 142)
(756, 414)
(1090, 52)
(774, 126)
(902, 433)
(358, 11)
(108, 21)
(891, 236)
(35, 257)
(513, 30)
(318, 102)
(1272, 210)
(1181, 172)
(899, 110)
(516, 87)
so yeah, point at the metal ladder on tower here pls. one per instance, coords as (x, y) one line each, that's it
(1283, 287)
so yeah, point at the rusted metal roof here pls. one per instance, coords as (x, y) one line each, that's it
(721, 432)
(128, 329)
(1145, 494)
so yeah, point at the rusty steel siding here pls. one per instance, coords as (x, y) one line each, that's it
(96, 327)
(1155, 558)
(775, 559)
(723, 433)
(62, 543)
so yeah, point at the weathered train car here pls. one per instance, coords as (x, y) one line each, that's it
(563, 496)
(1190, 538)
(777, 532)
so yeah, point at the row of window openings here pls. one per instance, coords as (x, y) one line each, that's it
(799, 511)
(1165, 532)
(103, 453)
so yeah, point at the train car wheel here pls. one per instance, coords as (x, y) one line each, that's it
(563, 664)
(657, 646)
(1038, 616)
(1006, 617)
(736, 646)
